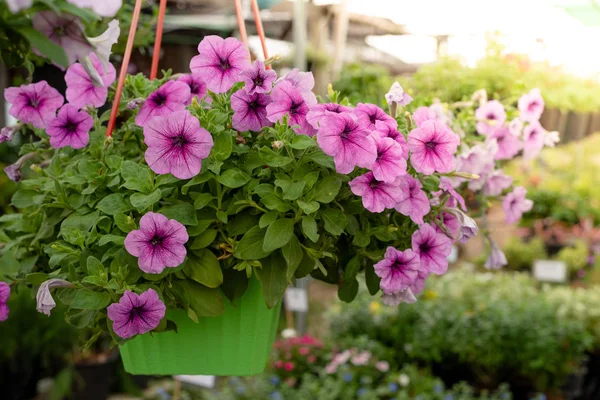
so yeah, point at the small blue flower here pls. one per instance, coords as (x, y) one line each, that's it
(240, 389)
(449, 397)
(276, 396)
(361, 392)
(274, 380)
(163, 394)
(542, 396)
(505, 396)
(438, 388)
(348, 377)
(393, 387)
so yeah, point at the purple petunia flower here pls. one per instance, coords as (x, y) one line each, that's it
(34, 104)
(17, 5)
(413, 201)
(8, 132)
(515, 204)
(531, 106)
(496, 259)
(176, 144)
(423, 114)
(393, 300)
(496, 182)
(197, 87)
(318, 112)
(258, 79)
(303, 81)
(397, 95)
(4, 295)
(433, 249)
(369, 114)
(288, 100)
(348, 142)
(249, 111)
(170, 97)
(390, 162)
(448, 224)
(489, 116)
(398, 270)
(14, 172)
(376, 195)
(432, 147)
(455, 199)
(159, 243)
(81, 90)
(104, 8)
(65, 30)
(508, 144)
(385, 130)
(71, 127)
(467, 226)
(136, 314)
(220, 62)
(533, 136)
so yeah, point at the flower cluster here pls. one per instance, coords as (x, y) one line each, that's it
(296, 356)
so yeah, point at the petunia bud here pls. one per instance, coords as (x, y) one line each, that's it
(7, 133)
(397, 97)
(468, 226)
(496, 259)
(13, 171)
(45, 302)
(135, 104)
(278, 144)
(394, 299)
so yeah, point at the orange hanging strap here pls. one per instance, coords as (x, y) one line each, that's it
(260, 30)
(158, 41)
(123, 73)
(241, 24)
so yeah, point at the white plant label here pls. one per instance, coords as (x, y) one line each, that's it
(296, 299)
(550, 271)
(453, 256)
(207, 381)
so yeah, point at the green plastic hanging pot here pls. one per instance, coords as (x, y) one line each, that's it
(236, 343)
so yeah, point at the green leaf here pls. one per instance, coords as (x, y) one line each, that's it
(327, 189)
(88, 300)
(143, 201)
(137, 177)
(182, 212)
(241, 224)
(204, 239)
(203, 200)
(95, 267)
(307, 265)
(310, 179)
(278, 234)
(361, 239)
(273, 159)
(308, 207)
(302, 142)
(36, 278)
(114, 204)
(223, 144)
(267, 219)
(293, 254)
(27, 198)
(372, 279)
(233, 178)
(222, 216)
(251, 245)
(352, 268)
(95, 280)
(45, 46)
(204, 268)
(348, 290)
(205, 302)
(72, 235)
(166, 179)
(335, 221)
(124, 222)
(197, 180)
(291, 189)
(274, 202)
(273, 278)
(322, 159)
(118, 240)
(234, 285)
(310, 228)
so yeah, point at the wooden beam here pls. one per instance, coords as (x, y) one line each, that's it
(340, 37)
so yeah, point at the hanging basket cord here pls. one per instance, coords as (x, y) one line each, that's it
(158, 42)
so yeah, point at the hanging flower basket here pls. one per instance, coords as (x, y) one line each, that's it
(236, 343)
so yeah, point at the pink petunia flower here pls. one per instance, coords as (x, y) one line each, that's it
(382, 366)
(395, 299)
(390, 162)
(348, 142)
(71, 127)
(4, 295)
(81, 90)
(65, 30)
(433, 249)
(176, 144)
(516, 127)
(17, 5)
(159, 243)
(432, 147)
(136, 314)
(467, 226)
(489, 116)
(104, 8)
(398, 270)
(318, 112)
(386, 130)
(303, 81)
(34, 104)
(376, 195)
(220, 62)
(496, 182)
(448, 224)
(531, 106)
(167, 99)
(441, 112)
(496, 259)
(249, 111)
(515, 204)
(257, 78)
(508, 144)
(197, 87)
(533, 136)
(419, 284)
(288, 100)
(413, 201)
(455, 199)
(369, 114)
(423, 114)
